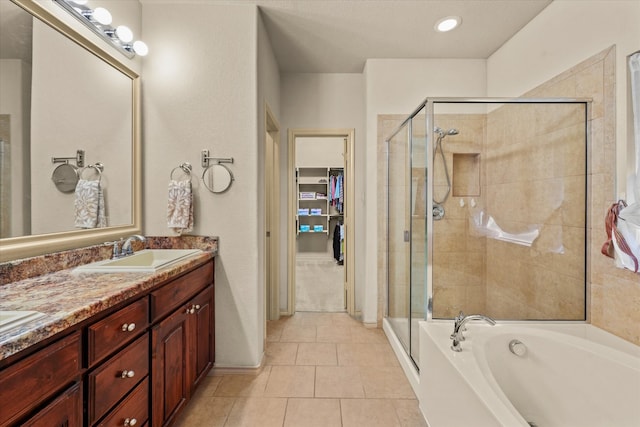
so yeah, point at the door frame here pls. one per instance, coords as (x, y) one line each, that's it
(272, 215)
(349, 210)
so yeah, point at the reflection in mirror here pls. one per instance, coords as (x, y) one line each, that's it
(60, 93)
(217, 178)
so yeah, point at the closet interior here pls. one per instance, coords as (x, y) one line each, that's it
(320, 236)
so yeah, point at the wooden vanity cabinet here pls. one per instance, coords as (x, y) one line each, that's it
(141, 363)
(41, 378)
(64, 411)
(182, 346)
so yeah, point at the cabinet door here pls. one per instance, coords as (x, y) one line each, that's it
(37, 378)
(202, 335)
(169, 363)
(65, 411)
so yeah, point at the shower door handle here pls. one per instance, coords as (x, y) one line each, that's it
(407, 236)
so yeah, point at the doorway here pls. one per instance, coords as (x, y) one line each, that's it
(320, 255)
(272, 216)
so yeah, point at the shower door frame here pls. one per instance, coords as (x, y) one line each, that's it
(428, 106)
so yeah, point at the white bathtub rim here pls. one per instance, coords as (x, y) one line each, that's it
(465, 364)
(483, 383)
(583, 343)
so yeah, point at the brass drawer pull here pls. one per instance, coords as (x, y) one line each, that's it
(127, 374)
(128, 327)
(130, 422)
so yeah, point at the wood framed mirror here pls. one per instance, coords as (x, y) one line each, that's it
(67, 93)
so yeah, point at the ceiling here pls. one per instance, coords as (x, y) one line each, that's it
(338, 36)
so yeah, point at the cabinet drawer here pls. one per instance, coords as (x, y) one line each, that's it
(117, 329)
(116, 377)
(133, 407)
(36, 378)
(65, 411)
(178, 291)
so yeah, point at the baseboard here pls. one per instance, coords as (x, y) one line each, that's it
(219, 370)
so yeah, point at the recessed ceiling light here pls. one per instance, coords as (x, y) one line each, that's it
(447, 24)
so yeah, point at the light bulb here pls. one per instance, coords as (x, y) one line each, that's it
(102, 16)
(124, 33)
(448, 23)
(140, 48)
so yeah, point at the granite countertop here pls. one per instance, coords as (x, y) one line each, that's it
(68, 298)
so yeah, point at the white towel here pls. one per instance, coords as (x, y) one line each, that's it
(89, 205)
(180, 206)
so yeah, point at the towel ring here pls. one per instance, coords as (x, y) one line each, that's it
(99, 167)
(186, 168)
(217, 178)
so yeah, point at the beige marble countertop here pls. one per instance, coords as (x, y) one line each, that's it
(68, 298)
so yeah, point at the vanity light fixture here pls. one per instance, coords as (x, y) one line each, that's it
(100, 15)
(447, 24)
(99, 21)
(124, 33)
(140, 48)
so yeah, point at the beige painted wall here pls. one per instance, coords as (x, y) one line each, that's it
(200, 91)
(268, 94)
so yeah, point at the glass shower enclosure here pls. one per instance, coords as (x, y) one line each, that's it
(486, 212)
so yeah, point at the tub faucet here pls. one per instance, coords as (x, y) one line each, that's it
(127, 249)
(460, 321)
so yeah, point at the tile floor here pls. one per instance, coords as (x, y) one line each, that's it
(321, 369)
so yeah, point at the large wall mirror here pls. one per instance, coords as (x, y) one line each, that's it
(60, 93)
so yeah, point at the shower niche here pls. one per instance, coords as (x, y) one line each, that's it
(466, 175)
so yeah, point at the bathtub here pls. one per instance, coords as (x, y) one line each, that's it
(571, 375)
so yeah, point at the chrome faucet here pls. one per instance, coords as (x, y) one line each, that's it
(459, 323)
(122, 249)
(127, 249)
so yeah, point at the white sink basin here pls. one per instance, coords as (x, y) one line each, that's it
(13, 319)
(145, 261)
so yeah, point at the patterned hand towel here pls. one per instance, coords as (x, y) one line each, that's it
(89, 205)
(180, 206)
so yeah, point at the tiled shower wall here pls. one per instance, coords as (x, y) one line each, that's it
(534, 166)
(459, 254)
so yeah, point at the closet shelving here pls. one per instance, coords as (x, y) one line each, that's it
(313, 203)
